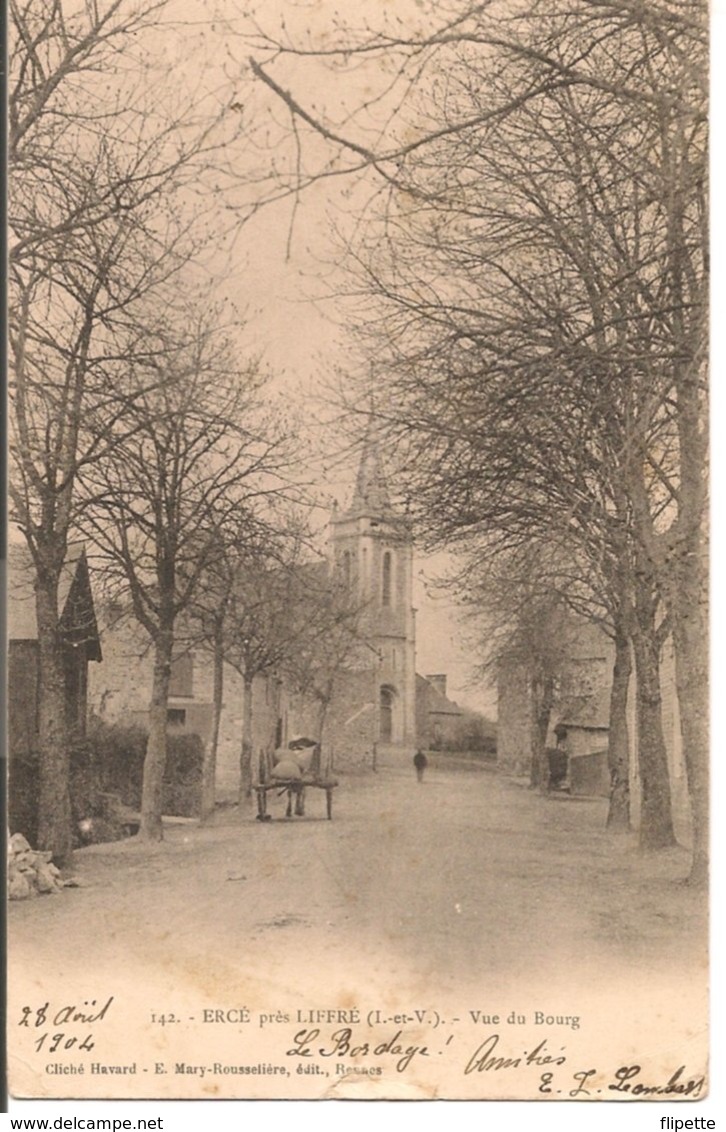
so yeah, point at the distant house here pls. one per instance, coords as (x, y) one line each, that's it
(120, 690)
(80, 645)
(580, 717)
(438, 719)
(580, 720)
(582, 732)
(580, 711)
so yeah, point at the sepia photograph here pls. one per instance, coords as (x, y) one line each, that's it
(357, 651)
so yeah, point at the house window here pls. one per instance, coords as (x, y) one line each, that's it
(386, 578)
(182, 675)
(176, 717)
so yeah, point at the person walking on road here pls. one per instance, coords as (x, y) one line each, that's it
(420, 762)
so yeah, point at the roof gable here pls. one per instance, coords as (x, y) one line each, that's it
(75, 599)
(436, 703)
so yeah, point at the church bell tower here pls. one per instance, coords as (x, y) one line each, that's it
(372, 546)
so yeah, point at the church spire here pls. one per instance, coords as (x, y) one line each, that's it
(371, 489)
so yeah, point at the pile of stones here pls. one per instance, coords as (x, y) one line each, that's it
(30, 871)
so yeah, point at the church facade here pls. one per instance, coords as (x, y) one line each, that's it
(372, 549)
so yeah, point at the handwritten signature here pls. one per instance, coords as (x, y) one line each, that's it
(676, 1085)
(627, 1079)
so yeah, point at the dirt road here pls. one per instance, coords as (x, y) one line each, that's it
(465, 871)
(466, 897)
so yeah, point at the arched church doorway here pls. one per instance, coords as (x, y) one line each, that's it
(387, 713)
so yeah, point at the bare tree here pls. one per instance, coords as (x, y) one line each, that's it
(202, 450)
(99, 167)
(332, 644)
(546, 218)
(525, 607)
(246, 542)
(253, 592)
(386, 119)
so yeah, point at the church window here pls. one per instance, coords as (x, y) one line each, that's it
(386, 714)
(386, 578)
(346, 567)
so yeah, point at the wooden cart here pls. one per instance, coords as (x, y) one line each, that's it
(295, 788)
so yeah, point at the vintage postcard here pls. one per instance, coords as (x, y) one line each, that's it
(357, 574)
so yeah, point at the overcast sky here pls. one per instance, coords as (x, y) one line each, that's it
(283, 265)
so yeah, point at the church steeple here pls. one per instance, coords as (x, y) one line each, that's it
(371, 489)
(372, 548)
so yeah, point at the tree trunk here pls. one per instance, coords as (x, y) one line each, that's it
(209, 769)
(322, 717)
(245, 758)
(155, 761)
(656, 821)
(316, 766)
(54, 803)
(543, 698)
(277, 735)
(690, 639)
(618, 739)
(686, 589)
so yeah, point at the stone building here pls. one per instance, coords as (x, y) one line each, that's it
(380, 711)
(579, 721)
(120, 691)
(582, 689)
(438, 719)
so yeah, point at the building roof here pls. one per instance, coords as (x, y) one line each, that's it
(75, 600)
(590, 713)
(436, 703)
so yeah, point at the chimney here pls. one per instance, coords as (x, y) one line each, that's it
(439, 682)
